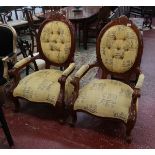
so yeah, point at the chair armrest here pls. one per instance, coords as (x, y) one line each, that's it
(24, 62)
(140, 81)
(69, 70)
(9, 57)
(82, 71)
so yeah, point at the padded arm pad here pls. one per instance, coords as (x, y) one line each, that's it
(81, 71)
(22, 62)
(140, 81)
(67, 71)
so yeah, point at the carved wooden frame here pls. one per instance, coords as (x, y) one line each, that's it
(126, 78)
(15, 71)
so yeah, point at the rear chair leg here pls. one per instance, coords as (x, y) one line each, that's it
(16, 104)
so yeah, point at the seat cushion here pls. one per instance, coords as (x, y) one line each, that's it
(42, 86)
(105, 98)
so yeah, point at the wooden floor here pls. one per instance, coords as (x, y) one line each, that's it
(36, 126)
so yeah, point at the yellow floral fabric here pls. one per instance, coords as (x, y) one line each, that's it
(105, 98)
(56, 41)
(140, 81)
(42, 86)
(119, 48)
(22, 62)
(69, 69)
(81, 71)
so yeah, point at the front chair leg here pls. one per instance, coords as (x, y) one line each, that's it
(130, 125)
(61, 114)
(72, 118)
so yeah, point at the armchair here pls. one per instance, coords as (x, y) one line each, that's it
(7, 50)
(119, 50)
(56, 46)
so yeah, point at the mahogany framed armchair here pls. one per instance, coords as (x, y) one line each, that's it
(119, 49)
(56, 46)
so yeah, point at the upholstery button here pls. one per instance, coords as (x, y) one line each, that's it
(118, 48)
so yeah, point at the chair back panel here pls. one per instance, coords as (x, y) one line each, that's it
(56, 40)
(119, 46)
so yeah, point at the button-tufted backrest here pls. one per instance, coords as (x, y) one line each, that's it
(119, 48)
(56, 41)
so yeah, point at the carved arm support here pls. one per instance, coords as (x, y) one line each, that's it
(76, 80)
(136, 94)
(62, 81)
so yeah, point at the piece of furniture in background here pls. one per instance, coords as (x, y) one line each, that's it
(26, 50)
(142, 12)
(15, 19)
(33, 26)
(119, 50)
(46, 9)
(3, 122)
(148, 15)
(136, 11)
(92, 26)
(56, 46)
(8, 50)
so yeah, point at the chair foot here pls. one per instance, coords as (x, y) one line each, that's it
(128, 139)
(129, 127)
(61, 120)
(72, 119)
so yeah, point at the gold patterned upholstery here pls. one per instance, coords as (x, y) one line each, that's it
(119, 48)
(140, 81)
(56, 41)
(105, 98)
(42, 86)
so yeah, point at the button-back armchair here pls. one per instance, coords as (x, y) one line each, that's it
(56, 45)
(8, 50)
(119, 50)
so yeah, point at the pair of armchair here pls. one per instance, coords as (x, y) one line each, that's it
(119, 49)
